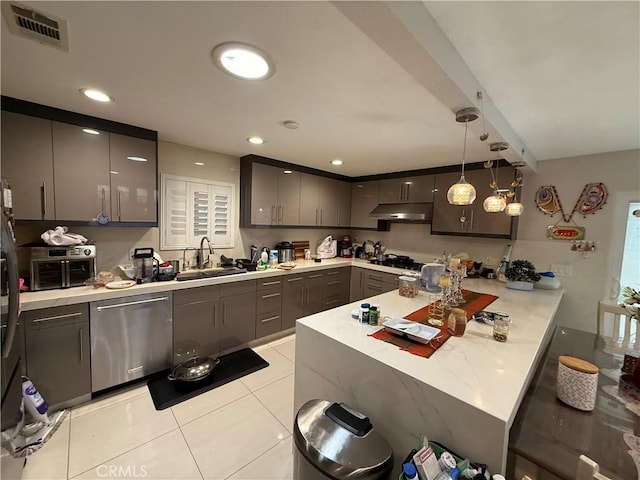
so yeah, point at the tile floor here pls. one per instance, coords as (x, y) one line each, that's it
(241, 430)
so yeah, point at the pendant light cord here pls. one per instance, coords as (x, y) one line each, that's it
(464, 145)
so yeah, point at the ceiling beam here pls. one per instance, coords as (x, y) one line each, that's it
(409, 34)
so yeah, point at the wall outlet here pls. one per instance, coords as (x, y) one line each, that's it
(489, 261)
(562, 270)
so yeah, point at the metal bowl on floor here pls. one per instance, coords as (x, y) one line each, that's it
(194, 369)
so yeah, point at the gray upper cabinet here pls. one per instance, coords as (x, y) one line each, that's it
(417, 189)
(275, 196)
(81, 165)
(364, 198)
(132, 167)
(72, 172)
(324, 201)
(27, 162)
(471, 220)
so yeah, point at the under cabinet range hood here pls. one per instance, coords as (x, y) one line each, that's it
(404, 212)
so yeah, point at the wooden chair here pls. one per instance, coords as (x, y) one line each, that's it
(588, 470)
(619, 331)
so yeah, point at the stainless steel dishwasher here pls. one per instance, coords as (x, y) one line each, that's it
(131, 337)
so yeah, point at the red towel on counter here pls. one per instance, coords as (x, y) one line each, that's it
(474, 302)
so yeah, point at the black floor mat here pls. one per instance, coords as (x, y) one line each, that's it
(166, 393)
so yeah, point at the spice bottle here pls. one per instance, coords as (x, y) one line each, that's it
(457, 322)
(373, 315)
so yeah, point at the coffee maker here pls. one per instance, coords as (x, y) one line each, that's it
(143, 264)
(345, 247)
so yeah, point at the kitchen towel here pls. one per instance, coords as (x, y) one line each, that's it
(474, 302)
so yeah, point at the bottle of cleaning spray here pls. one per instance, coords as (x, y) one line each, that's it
(33, 401)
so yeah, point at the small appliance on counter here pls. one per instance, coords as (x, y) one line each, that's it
(61, 267)
(345, 248)
(143, 262)
(286, 252)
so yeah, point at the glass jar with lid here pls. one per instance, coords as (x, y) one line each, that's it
(407, 286)
(457, 322)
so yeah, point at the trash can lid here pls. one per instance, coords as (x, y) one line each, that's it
(341, 442)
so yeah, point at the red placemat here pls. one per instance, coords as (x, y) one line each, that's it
(474, 302)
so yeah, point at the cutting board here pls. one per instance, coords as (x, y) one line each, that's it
(299, 248)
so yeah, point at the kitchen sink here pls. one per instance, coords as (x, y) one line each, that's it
(208, 273)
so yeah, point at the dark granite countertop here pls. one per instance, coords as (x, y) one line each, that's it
(553, 435)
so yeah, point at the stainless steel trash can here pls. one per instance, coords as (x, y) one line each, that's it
(332, 440)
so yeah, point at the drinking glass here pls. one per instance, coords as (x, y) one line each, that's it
(435, 310)
(501, 322)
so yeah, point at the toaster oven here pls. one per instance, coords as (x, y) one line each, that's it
(62, 267)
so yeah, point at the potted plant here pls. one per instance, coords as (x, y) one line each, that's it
(521, 274)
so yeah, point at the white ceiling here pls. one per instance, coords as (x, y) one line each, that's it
(561, 79)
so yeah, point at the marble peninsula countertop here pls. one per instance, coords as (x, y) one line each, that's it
(488, 375)
(74, 295)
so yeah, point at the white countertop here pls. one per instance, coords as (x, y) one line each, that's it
(477, 370)
(69, 296)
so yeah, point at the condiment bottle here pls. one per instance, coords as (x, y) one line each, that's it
(457, 322)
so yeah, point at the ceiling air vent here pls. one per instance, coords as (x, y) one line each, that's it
(29, 23)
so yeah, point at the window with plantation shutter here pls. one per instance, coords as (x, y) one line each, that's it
(193, 208)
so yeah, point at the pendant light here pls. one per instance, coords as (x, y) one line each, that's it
(496, 202)
(515, 208)
(463, 193)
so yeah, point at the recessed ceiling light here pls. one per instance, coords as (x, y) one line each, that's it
(91, 131)
(336, 162)
(287, 172)
(291, 124)
(96, 95)
(243, 61)
(137, 159)
(255, 140)
(198, 163)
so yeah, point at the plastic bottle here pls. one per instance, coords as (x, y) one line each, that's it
(409, 471)
(34, 403)
(452, 474)
(373, 315)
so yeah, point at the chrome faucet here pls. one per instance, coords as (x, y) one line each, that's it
(185, 266)
(201, 261)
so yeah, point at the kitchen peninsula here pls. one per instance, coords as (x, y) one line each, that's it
(465, 396)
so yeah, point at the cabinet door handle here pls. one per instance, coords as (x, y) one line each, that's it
(57, 317)
(374, 286)
(308, 294)
(215, 311)
(335, 300)
(333, 273)
(104, 204)
(81, 352)
(270, 319)
(43, 199)
(224, 313)
(281, 207)
(316, 216)
(119, 211)
(277, 282)
(302, 295)
(338, 212)
(271, 295)
(297, 279)
(273, 207)
(471, 223)
(317, 275)
(65, 273)
(376, 277)
(127, 304)
(407, 192)
(320, 216)
(333, 283)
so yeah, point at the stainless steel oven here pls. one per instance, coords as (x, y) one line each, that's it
(62, 267)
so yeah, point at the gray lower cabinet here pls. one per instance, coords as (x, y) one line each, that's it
(356, 289)
(313, 292)
(269, 306)
(375, 283)
(27, 162)
(58, 353)
(208, 320)
(195, 328)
